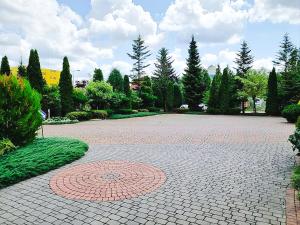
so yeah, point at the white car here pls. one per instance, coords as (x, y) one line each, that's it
(184, 106)
(203, 106)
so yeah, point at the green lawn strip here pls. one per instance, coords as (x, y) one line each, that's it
(125, 116)
(296, 179)
(41, 156)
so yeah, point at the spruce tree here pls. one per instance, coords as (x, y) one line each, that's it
(146, 92)
(284, 54)
(98, 75)
(34, 72)
(244, 62)
(116, 80)
(194, 86)
(139, 55)
(170, 96)
(224, 93)
(22, 72)
(214, 101)
(66, 88)
(127, 90)
(164, 76)
(272, 104)
(177, 99)
(5, 69)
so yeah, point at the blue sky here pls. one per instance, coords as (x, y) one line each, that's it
(99, 33)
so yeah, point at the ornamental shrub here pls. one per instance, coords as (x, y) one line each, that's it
(295, 140)
(99, 114)
(298, 122)
(291, 113)
(20, 107)
(6, 146)
(59, 120)
(124, 111)
(80, 115)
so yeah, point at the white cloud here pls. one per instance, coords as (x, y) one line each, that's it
(214, 21)
(276, 11)
(179, 61)
(263, 63)
(121, 20)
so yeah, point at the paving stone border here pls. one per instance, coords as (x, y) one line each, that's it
(293, 203)
(107, 181)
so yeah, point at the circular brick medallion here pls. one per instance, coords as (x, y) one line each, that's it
(107, 180)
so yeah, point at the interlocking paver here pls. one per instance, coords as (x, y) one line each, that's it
(219, 170)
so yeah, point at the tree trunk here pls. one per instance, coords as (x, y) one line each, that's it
(254, 104)
(243, 106)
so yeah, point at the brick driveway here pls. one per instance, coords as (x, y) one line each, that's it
(219, 170)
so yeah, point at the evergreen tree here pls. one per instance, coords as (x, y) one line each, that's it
(290, 80)
(146, 92)
(66, 88)
(170, 96)
(116, 80)
(34, 72)
(139, 55)
(224, 93)
(194, 86)
(244, 62)
(177, 99)
(272, 104)
(5, 69)
(214, 101)
(284, 54)
(98, 75)
(22, 72)
(127, 90)
(164, 76)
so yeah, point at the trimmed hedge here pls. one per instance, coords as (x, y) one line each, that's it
(140, 114)
(181, 110)
(80, 115)
(41, 156)
(59, 120)
(124, 111)
(291, 113)
(99, 114)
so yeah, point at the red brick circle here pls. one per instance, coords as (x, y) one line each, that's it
(107, 180)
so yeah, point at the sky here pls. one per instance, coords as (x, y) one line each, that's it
(99, 33)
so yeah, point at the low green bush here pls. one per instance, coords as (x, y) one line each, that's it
(291, 113)
(124, 111)
(140, 114)
(38, 157)
(143, 110)
(109, 112)
(99, 114)
(295, 140)
(181, 110)
(296, 178)
(298, 122)
(59, 120)
(6, 146)
(80, 115)
(154, 109)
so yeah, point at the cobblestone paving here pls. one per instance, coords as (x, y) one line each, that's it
(219, 170)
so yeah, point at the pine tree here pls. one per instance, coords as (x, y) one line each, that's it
(22, 72)
(164, 75)
(5, 69)
(98, 75)
(272, 104)
(139, 55)
(66, 88)
(224, 93)
(244, 62)
(194, 86)
(34, 72)
(116, 80)
(177, 99)
(284, 54)
(214, 101)
(127, 90)
(290, 80)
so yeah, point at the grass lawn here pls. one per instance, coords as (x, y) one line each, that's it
(39, 157)
(140, 114)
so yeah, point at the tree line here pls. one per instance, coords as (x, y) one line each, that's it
(227, 93)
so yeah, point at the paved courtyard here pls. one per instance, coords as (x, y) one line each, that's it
(212, 170)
